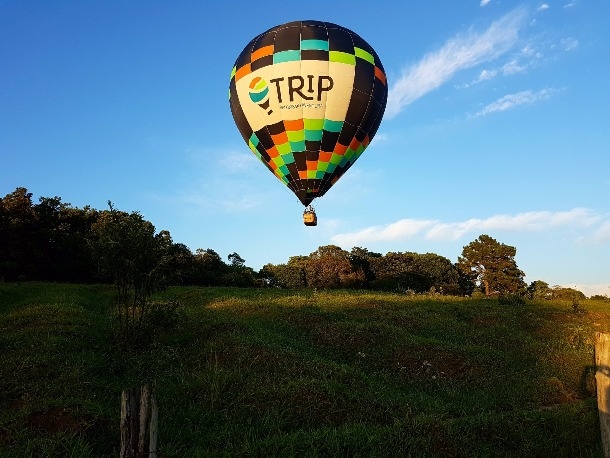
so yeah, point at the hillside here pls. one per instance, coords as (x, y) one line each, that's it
(267, 372)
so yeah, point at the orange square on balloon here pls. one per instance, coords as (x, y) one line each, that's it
(262, 52)
(340, 149)
(273, 152)
(325, 156)
(280, 139)
(243, 71)
(294, 125)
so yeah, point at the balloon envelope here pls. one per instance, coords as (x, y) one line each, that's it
(308, 97)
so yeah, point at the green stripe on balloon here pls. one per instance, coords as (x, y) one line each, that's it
(313, 124)
(295, 135)
(335, 159)
(342, 57)
(278, 160)
(254, 140)
(313, 135)
(316, 45)
(286, 56)
(349, 154)
(298, 145)
(332, 126)
(313, 129)
(362, 54)
(284, 148)
(283, 170)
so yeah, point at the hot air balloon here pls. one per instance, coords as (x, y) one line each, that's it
(308, 97)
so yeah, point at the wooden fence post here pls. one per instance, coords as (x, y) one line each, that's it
(139, 429)
(602, 380)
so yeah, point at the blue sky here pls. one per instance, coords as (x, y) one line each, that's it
(498, 123)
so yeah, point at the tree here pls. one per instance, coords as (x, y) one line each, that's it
(492, 266)
(441, 274)
(328, 267)
(268, 276)
(20, 253)
(396, 272)
(130, 253)
(290, 275)
(564, 293)
(235, 260)
(237, 274)
(181, 264)
(46, 241)
(63, 233)
(361, 260)
(539, 289)
(297, 268)
(208, 267)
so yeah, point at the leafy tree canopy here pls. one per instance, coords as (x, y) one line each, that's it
(492, 266)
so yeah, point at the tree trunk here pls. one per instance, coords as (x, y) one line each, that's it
(602, 379)
(139, 423)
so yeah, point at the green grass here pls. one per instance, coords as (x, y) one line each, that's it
(302, 373)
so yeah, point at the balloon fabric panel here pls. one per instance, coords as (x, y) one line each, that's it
(308, 97)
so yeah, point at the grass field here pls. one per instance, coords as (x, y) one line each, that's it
(250, 372)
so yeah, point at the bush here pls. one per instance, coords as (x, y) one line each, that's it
(576, 307)
(511, 299)
(165, 315)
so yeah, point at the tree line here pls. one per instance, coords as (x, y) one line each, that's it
(54, 241)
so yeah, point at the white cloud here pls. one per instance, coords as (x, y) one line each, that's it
(529, 221)
(380, 137)
(459, 53)
(603, 233)
(402, 229)
(239, 203)
(234, 162)
(568, 44)
(528, 51)
(570, 5)
(220, 180)
(603, 289)
(542, 7)
(512, 67)
(485, 2)
(438, 230)
(525, 59)
(487, 75)
(512, 100)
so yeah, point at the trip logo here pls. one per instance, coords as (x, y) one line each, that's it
(308, 88)
(259, 93)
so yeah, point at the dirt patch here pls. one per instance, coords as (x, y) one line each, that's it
(481, 321)
(56, 420)
(557, 393)
(432, 363)
(72, 420)
(315, 406)
(600, 321)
